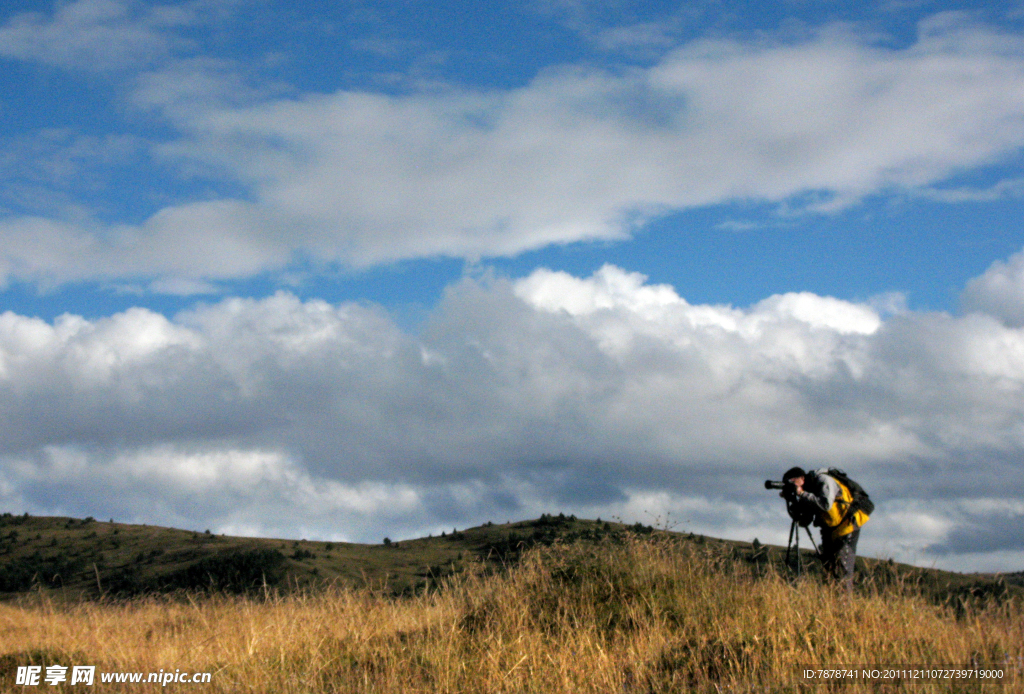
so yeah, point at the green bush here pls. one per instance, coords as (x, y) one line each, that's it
(236, 572)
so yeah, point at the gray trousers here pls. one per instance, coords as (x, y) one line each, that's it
(839, 556)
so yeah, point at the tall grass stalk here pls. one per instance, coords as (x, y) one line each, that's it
(635, 615)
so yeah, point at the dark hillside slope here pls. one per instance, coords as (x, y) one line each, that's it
(85, 558)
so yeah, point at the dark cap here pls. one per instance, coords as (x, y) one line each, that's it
(793, 472)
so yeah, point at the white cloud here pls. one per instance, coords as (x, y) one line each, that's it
(257, 491)
(180, 245)
(823, 312)
(577, 154)
(999, 291)
(1012, 188)
(610, 287)
(96, 34)
(601, 396)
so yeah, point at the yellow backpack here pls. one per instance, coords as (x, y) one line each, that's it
(848, 512)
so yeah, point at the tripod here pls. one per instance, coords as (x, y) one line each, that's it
(794, 544)
(802, 514)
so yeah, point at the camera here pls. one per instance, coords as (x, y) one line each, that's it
(799, 510)
(788, 489)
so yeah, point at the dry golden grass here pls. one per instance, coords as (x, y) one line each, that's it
(640, 615)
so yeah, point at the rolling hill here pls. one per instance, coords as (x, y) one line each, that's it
(86, 558)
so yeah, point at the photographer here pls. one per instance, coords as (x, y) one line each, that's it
(835, 511)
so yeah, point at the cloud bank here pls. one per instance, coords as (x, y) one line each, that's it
(602, 396)
(999, 292)
(579, 153)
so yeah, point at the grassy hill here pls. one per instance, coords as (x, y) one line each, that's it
(86, 558)
(555, 605)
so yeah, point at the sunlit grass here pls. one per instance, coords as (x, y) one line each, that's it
(632, 614)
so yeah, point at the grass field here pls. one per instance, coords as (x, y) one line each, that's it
(618, 612)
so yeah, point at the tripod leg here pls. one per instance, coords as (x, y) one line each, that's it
(796, 545)
(813, 544)
(789, 545)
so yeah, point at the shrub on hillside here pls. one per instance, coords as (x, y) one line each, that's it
(235, 572)
(25, 573)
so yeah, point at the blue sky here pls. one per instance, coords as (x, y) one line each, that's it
(381, 268)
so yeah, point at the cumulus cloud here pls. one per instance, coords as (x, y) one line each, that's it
(603, 396)
(999, 291)
(361, 178)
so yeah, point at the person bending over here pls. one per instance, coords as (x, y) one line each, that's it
(836, 514)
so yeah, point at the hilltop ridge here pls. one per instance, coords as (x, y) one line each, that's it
(86, 558)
